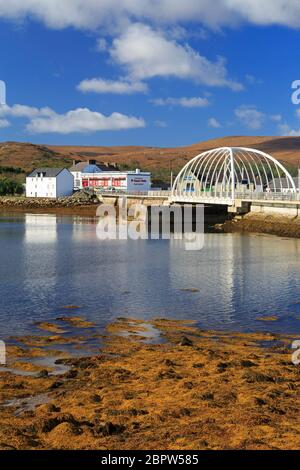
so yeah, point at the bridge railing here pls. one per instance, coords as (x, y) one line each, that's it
(227, 195)
(158, 193)
(278, 196)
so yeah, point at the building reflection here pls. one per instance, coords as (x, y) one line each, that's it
(40, 229)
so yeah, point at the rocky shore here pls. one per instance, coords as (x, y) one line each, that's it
(185, 389)
(263, 223)
(81, 203)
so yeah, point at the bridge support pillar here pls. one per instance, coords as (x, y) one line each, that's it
(239, 207)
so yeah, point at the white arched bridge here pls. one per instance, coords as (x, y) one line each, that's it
(243, 179)
(230, 174)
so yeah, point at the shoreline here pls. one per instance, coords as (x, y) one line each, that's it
(80, 203)
(86, 206)
(88, 210)
(162, 384)
(268, 224)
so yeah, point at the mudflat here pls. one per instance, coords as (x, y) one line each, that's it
(185, 388)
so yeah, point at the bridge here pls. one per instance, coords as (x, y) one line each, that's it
(235, 177)
(242, 179)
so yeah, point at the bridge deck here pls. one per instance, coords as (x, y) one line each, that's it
(214, 199)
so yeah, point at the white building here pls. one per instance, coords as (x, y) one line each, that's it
(49, 182)
(78, 169)
(123, 181)
(105, 176)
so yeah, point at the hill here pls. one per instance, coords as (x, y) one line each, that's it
(160, 161)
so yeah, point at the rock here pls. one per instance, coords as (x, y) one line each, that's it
(55, 385)
(169, 363)
(84, 364)
(247, 363)
(53, 409)
(190, 289)
(95, 398)
(72, 374)
(277, 411)
(185, 341)
(185, 412)
(129, 395)
(267, 318)
(110, 428)
(135, 425)
(208, 396)
(52, 423)
(168, 374)
(260, 401)
(252, 377)
(63, 430)
(42, 374)
(135, 412)
(188, 385)
(198, 365)
(222, 366)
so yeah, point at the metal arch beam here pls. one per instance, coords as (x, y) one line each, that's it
(218, 156)
(216, 174)
(183, 171)
(272, 159)
(246, 156)
(230, 163)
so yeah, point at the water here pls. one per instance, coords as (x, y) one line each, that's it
(48, 262)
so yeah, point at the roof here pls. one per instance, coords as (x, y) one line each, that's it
(48, 172)
(78, 166)
(85, 167)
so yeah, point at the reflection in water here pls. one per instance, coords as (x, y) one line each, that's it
(40, 229)
(50, 261)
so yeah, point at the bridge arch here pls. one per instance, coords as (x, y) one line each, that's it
(229, 173)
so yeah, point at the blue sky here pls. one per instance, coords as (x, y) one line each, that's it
(155, 73)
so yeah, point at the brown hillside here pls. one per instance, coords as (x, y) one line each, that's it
(29, 156)
(283, 148)
(158, 160)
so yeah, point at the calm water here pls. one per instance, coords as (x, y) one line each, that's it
(48, 262)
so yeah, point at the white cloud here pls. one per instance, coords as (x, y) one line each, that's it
(214, 123)
(195, 102)
(120, 87)
(23, 111)
(250, 116)
(83, 120)
(146, 53)
(43, 120)
(4, 123)
(286, 130)
(91, 14)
